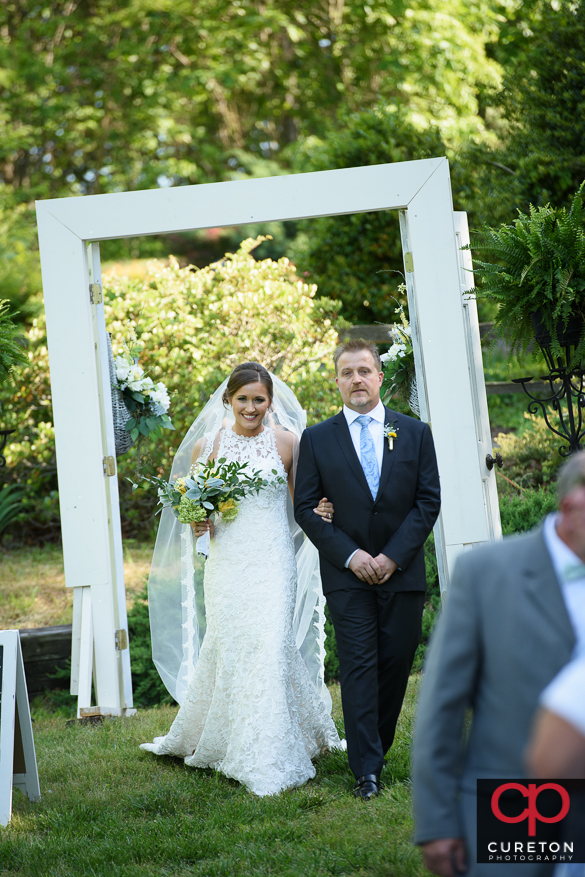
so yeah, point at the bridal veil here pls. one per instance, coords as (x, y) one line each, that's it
(175, 586)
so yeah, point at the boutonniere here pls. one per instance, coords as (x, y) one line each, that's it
(391, 433)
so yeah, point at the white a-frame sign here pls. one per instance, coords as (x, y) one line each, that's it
(445, 338)
(18, 762)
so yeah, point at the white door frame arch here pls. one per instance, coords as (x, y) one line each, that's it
(445, 337)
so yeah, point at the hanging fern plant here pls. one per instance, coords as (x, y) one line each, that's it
(11, 353)
(537, 276)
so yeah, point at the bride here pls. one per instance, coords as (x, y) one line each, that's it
(247, 668)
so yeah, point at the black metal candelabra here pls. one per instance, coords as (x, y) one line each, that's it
(567, 398)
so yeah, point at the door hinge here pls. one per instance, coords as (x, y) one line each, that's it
(109, 466)
(95, 294)
(121, 640)
(408, 262)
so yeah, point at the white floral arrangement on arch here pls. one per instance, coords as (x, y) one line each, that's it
(147, 401)
(398, 362)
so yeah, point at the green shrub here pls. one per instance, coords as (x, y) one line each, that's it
(357, 259)
(432, 605)
(195, 325)
(331, 656)
(10, 505)
(521, 513)
(147, 685)
(531, 457)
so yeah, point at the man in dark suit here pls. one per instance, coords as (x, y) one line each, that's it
(385, 493)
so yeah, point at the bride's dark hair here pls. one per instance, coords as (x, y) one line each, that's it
(247, 373)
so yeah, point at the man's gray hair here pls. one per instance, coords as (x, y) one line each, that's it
(571, 475)
(355, 345)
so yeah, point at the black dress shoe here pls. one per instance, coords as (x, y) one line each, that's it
(367, 787)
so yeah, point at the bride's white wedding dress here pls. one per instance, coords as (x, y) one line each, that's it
(251, 710)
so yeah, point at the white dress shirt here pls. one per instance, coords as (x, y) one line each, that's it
(376, 427)
(573, 592)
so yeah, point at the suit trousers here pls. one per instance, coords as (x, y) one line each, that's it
(377, 633)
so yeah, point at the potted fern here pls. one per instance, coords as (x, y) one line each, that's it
(537, 278)
(11, 354)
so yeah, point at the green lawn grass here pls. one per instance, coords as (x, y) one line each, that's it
(108, 808)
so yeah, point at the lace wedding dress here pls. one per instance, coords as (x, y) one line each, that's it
(251, 710)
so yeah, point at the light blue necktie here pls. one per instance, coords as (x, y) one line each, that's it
(573, 571)
(368, 454)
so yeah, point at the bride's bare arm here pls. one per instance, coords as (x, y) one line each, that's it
(197, 448)
(287, 446)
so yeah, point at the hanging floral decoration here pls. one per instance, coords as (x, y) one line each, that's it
(398, 362)
(146, 401)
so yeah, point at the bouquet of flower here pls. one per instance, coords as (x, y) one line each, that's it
(398, 363)
(210, 489)
(147, 402)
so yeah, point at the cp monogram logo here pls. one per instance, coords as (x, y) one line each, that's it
(531, 812)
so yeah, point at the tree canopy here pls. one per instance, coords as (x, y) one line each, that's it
(540, 155)
(101, 96)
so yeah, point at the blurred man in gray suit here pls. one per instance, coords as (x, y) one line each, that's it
(514, 613)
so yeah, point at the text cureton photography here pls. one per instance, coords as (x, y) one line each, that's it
(519, 820)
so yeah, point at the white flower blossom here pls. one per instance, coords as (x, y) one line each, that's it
(135, 374)
(397, 349)
(122, 368)
(161, 400)
(131, 377)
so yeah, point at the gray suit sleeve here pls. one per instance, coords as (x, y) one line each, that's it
(447, 691)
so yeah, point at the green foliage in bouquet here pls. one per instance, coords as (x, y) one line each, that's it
(211, 488)
(539, 265)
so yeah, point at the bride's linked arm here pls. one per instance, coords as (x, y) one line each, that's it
(287, 445)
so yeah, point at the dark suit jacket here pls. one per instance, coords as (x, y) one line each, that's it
(396, 523)
(503, 634)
